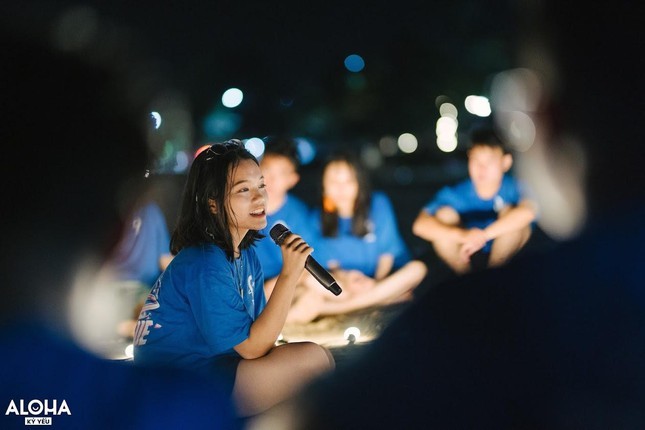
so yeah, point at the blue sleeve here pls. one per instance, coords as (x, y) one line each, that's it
(258, 275)
(444, 197)
(389, 238)
(217, 306)
(162, 236)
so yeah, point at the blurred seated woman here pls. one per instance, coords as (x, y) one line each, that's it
(359, 243)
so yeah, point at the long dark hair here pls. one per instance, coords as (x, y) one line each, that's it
(209, 178)
(329, 215)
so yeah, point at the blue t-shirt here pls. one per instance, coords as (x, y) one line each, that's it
(351, 252)
(201, 307)
(40, 363)
(145, 240)
(294, 215)
(474, 211)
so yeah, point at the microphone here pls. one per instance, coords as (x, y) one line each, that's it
(279, 232)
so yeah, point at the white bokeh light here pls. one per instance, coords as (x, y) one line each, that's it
(232, 97)
(449, 110)
(446, 125)
(447, 143)
(255, 146)
(478, 105)
(408, 143)
(157, 118)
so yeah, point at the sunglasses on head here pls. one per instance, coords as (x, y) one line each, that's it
(222, 148)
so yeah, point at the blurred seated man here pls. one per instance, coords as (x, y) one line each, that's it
(485, 217)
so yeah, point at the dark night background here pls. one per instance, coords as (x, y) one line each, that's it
(287, 57)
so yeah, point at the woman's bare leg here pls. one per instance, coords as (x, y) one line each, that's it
(266, 381)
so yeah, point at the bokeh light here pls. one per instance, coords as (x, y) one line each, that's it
(408, 143)
(446, 125)
(388, 146)
(232, 97)
(478, 105)
(182, 162)
(447, 143)
(221, 124)
(354, 63)
(371, 157)
(156, 117)
(306, 150)
(449, 110)
(255, 146)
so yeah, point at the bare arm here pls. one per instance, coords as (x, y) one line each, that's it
(384, 266)
(428, 227)
(266, 328)
(165, 260)
(514, 219)
(269, 285)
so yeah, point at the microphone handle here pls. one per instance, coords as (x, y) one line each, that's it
(322, 275)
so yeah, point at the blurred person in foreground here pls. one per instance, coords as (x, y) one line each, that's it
(142, 253)
(557, 340)
(72, 149)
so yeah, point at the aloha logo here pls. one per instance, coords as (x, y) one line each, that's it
(32, 410)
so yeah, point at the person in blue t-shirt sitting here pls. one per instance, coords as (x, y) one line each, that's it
(357, 238)
(208, 311)
(279, 166)
(142, 253)
(486, 217)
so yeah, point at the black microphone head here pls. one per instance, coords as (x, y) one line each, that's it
(278, 232)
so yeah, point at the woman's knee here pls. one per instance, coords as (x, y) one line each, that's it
(315, 357)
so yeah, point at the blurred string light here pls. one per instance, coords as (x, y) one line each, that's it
(306, 150)
(129, 351)
(447, 126)
(354, 63)
(156, 117)
(232, 97)
(255, 146)
(408, 143)
(478, 105)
